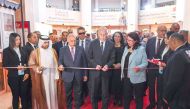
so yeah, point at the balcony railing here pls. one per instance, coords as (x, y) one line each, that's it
(108, 10)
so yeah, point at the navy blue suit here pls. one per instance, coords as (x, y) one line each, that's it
(152, 73)
(73, 77)
(85, 84)
(18, 87)
(96, 57)
(57, 46)
(177, 81)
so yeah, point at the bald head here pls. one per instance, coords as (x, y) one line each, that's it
(161, 30)
(175, 27)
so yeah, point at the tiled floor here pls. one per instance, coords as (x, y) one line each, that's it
(5, 101)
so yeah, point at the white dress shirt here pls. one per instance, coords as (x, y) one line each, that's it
(84, 43)
(103, 44)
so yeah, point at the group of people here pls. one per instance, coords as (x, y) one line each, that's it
(119, 68)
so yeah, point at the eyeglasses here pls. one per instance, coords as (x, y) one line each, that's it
(81, 33)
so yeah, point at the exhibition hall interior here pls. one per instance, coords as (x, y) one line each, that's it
(94, 54)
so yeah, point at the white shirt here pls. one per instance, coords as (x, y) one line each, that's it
(17, 50)
(73, 49)
(32, 45)
(164, 52)
(103, 44)
(80, 43)
(64, 43)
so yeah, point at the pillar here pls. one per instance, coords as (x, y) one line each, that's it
(86, 17)
(132, 15)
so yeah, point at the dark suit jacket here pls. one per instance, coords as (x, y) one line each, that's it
(167, 56)
(57, 46)
(87, 44)
(95, 56)
(169, 61)
(66, 60)
(177, 88)
(150, 50)
(165, 59)
(187, 44)
(11, 59)
(28, 49)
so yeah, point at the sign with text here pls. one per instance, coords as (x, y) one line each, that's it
(157, 15)
(62, 17)
(108, 18)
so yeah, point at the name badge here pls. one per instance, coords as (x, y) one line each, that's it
(20, 72)
(161, 71)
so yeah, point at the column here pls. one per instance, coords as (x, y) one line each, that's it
(96, 5)
(180, 9)
(153, 3)
(86, 17)
(132, 15)
(35, 12)
(30, 12)
(67, 4)
(186, 21)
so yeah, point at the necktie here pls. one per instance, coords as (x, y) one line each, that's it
(82, 43)
(102, 47)
(35, 46)
(64, 43)
(73, 53)
(158, 46)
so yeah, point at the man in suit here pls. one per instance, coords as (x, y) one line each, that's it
(185, 34)
(175, 27)
(31, 44)
(28, 48)
(61, 43)
(85, 43)
(177, 80)
(154, 48)
(101, 56)
(73, 56)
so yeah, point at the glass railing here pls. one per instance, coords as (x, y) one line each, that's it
(109, 10)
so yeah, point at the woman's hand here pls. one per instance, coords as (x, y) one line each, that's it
(136, 69)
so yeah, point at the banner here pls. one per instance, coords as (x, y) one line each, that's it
(63, 17)
(157, 15)
(109, 18)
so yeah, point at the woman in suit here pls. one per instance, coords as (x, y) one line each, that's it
(133, 65)
(116, 74)
(13, 56)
